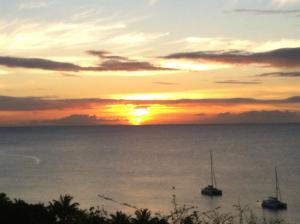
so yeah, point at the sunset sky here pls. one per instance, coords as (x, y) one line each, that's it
(71, 62)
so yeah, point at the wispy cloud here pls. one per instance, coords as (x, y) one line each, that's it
(67, 39)
(227, 44)
(19, 36)
(166, 83)
(135, 38)
(285, 2)
(34, 4)
(152, 2)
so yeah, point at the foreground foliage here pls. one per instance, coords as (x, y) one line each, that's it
(66, 211)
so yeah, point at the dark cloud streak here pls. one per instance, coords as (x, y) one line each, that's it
(111, 63)
(37, 63)
(237, 82)
(283, 57)
(166, 83)
(280, 74)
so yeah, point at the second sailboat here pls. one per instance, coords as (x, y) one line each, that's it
(212, 190)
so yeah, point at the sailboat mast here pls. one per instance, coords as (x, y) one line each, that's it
(211, 169)
(278, 193)
(276, 186)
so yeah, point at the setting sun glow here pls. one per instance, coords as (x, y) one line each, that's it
(143, 114)
(138, 115)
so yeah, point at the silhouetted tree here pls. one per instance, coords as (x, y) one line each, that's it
(4, 199)
(93, 216)
(64, 210)
(142, 216)
(119, 218)
(187, 220)
(157, 220)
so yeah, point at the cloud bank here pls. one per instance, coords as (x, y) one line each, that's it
(256, 117)
(75, 120)
(44, 111)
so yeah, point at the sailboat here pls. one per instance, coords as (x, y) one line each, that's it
(212, 190)
(275, 203)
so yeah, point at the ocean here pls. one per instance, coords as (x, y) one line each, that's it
(141, 164)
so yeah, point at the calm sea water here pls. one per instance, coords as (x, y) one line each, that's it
(139, 165)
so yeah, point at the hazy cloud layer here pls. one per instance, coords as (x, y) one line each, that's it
(283, 57)
(34, 4)
(266, 11)
(8, 103)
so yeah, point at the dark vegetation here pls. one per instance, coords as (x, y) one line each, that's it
(66, 211)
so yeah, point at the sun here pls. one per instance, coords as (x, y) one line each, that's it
(138, 115)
